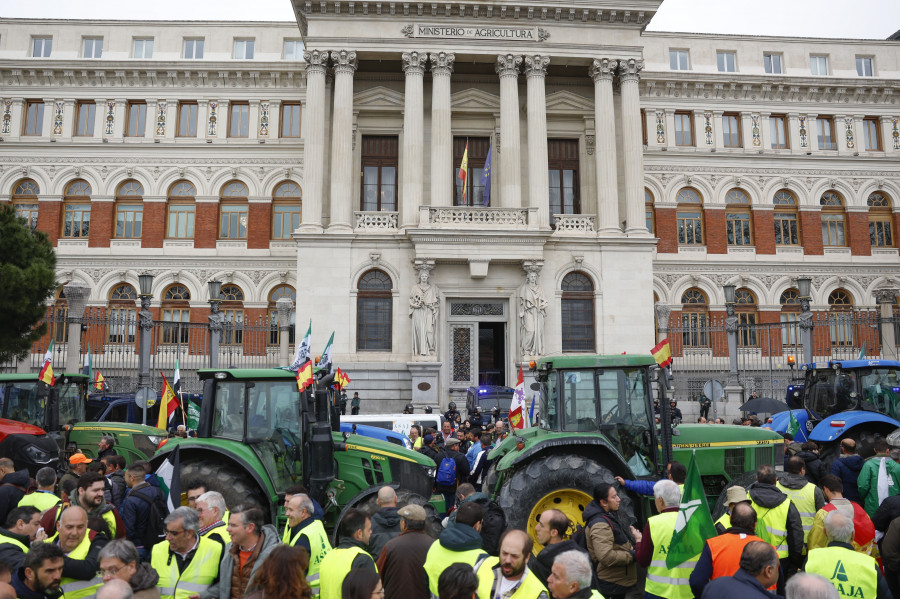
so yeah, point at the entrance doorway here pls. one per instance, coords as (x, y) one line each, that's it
(478, 345)
(491, 353)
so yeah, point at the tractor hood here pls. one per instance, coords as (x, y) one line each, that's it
(695, 436)
(537, 439)
(14, 427)
(836, 425)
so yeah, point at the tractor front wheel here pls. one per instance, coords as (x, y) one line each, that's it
(235, 485)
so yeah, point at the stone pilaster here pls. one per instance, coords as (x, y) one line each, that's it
(538, 179)
(441, 138)
(629, 76)
(510, 147)
(412, 167)
(602, 71)
(314, 139)
(344, 62)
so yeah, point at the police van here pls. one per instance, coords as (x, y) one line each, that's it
(399, 423)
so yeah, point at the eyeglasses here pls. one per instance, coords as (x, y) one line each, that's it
(112, 572)
(173, 533)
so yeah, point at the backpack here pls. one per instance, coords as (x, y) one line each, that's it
(579, 537)
(446, 474)
(492, 526)
(156, 528)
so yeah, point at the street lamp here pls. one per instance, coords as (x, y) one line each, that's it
(145, 282)
(804, 285)
(731, 330)
(729, 294)
(215, 322)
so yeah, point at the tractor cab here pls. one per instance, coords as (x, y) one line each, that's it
(863, 385)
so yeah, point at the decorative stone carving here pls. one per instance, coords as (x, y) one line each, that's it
(263, 119)
(536, 65)
(532, 311)
(110, 117)
(423, 310)
(885, 296)
(754, 130)
(543, 34)
(213, 118)
(7, 117)
(344, 61)
(508, 65)
(161, 119)
(630, 70)
(407, 30)
(603, 68)
(58, 118)
(441, 62)
(660, 127)
(316, 61)
(414, 63)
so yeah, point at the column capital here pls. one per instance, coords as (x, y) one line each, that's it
(536, 65)
(508, 65)
(316, 61)
(885, 296)
(414, 63)
(630, 70)
(442, 63)
(603, 69)
(344, 61)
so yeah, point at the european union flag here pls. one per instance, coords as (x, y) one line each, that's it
(486, 177)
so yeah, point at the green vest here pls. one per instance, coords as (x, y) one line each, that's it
(73, 588)
(197, 576)
(439, 558)
(484, 570)
(853, 574)
(771, 525)
(318, 544)
(804, 499)
(39, 499)
(5, 540)
(671, 583)
(333, 569)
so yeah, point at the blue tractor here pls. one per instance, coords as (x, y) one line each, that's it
(859, 399)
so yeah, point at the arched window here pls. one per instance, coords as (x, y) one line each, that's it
(77, 215)
(833, 224)
(233, 210)
(840, 304)
(737, 217)
(694, 318)
(285, 209)
(232, 309)
(880, 229)
(690, 217)
(746, 309)
(790, 314)
(122, 313)
(577, 313)
(25, 201)
(129, 210)
(374, 312)
(787, 229)
(181, 209)
(276, 294)
(176, 313)
(649, 212)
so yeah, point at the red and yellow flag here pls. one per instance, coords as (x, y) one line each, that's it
(168, 405)
(341, 378)
(99, 381)
(463, 174)
(46, 373)
(305, 375)
(662, 353)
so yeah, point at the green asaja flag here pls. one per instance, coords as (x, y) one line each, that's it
(694, 525)
(794, 428)
(324, 362)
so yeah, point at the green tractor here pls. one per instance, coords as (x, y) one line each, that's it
(42, 425)
(258, 435)
(596, 422)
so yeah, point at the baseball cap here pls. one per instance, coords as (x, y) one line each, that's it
(429, 438)
(412, 512)
(79, 458)
(451, 441)
(735, 495)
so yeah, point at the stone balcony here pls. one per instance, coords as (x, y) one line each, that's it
(475, 217)
(375, 222)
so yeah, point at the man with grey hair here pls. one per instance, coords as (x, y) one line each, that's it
(810, 586)
(210, 509)
(570, 576)
(184, 561)
(852, 573)
(306, 531)
(655, 540)
(115, 589)
(105, 447)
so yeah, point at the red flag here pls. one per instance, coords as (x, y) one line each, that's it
(662, 353)
(168, 405)
(46, 373)
(305, 375)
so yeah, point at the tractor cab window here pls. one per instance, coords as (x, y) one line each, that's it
(881, 388)
(24, 402)
(229, 414)
(831, 391)
(579, 393)
(71, 404)
(623, 415)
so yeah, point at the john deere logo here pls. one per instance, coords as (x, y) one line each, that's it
(839, 572)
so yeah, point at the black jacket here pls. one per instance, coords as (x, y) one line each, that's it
(12, 490)
(815, 468)
(768, 496)
(847, 469)
(135, 512)
(23, 592)
(385, 526)
(541, 564)
(886, 512)
(9, 553)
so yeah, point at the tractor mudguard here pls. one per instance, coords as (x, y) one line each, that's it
(782, 420)
(614, 463)
(827, 431)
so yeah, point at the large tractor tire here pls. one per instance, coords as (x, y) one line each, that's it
(237, 486)
(367, 502)
(744, 480)
(563, 482)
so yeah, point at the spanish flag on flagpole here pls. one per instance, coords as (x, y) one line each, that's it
(463, 174)
(305, 375)
(662, 353)
(46, 373)
(341, 378)
(167, 406)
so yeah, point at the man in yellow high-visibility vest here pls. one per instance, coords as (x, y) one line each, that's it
(22, 528)
(82, 548)
(806, 497)
(653, 544)
(778, 520)
(351, 553)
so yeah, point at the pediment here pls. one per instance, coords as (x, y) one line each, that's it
(474, 99)
(566, 102)
(378, 98)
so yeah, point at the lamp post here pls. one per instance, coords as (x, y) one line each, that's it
(731, 330)
(284, 306)
(804, 285)
(215, 322)
(145, 323)
(77, 294)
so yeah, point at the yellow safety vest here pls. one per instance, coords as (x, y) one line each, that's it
(484, 570)
(725, 520)
(804, 499)
(852, 573)
(530, 588)
(5, 540)
(671, 583)
(197, 576)
(73, 588)
(40, 499)
(333, 569)
(222, 531)
(318, 544)
(440, 558)
(771, 525)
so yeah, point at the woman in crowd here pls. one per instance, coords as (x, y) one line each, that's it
(362, 583)
(281, 575)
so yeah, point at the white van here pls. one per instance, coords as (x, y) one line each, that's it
(398, 423)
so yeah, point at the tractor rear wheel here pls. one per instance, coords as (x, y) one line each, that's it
(234, 484)
(369, 504)
(743, 480)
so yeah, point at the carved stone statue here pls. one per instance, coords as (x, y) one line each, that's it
(423, 310)
(532, 310)
(731, 319)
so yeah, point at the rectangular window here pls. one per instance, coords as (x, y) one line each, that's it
(731, 130)
(696, 329)
(684, 129)
(187, 119)
(233, 221)
(864, 66)
(122, 323)
(778, 131)
(29, 212)
(286, 218)
(786, 229)
(789, 328)
(747, 329)
(293, 50)
(41, 47)
(243, 49)
(181, 221)
(84, 119)
(772, 64)
(379, 173)
(175, 328)
(290, 120)
(136, 119)
(562, 157)
(833, 230)
(678, 60)
(648, 216)
(690, 228)
(872, 133)
(577, 320)
(825, 129)
(737, 229)
(193, 49)
(478, 149)
(841, 327)
(818, 65)
(239, 119)
(880, 233)
(373, 322)
(92, 47)
(233, 333)
(34, 118)
(77, 221)
(142, 48)
(726, 62)
(128, 221)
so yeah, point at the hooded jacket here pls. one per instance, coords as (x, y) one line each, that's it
(144, 582)
(815, 468)
(460, 537)
(847, 469)
(12, 491)
(768, 496)
(610, 549)
(269, 540)
(798, 481)
(385, 526)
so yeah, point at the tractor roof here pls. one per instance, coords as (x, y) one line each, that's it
(33, 376)
(248, 374)
(601, 361)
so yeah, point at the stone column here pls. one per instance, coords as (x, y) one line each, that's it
(77, 294)
(538, 179)
(510, 152)
(632, 148)
(412, 183)
(885, 299)
(441, 138)
(314, 140)
(602, 71)
(344, 62)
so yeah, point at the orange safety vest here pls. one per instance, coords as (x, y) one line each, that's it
(726, 552)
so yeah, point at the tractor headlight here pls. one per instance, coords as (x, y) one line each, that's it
(430, 472)
(155, 439)
(36, 454)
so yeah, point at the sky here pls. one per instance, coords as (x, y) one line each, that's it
(853, 19)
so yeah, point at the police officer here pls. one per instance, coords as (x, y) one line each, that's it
(452, 414)
(409, 409)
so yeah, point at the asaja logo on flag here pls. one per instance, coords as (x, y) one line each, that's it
(687, 510)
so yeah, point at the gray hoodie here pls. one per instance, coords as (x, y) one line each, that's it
(270, 539)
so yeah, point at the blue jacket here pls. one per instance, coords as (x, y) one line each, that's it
(642, 487)
(473, 453)
(847, 469)
(135, 512)
(742, 585)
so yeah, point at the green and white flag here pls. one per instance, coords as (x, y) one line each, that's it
(169, 474)
(324, 362)
(302, 355)
(794, 427)
(695, 524)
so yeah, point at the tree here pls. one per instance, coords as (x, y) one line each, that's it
(27, 279)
